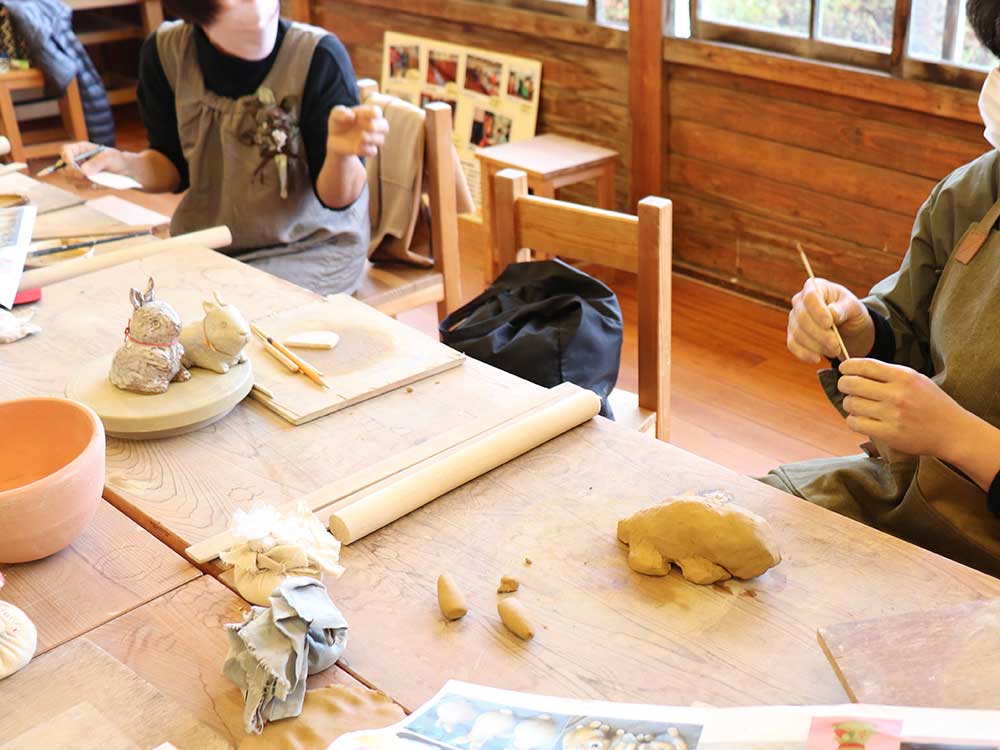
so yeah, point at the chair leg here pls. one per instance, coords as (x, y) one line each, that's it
(71, 110)
(8, 123)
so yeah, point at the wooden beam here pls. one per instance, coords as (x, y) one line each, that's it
(844, 80)
(900, 36)
(646, 96)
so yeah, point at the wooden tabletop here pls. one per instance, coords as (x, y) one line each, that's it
(547, 156)
(112, 568)
(603, 631)
(184, 489)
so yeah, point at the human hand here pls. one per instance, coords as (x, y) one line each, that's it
(357, 131)
(815, 309)
(108, 160)
(903, 408)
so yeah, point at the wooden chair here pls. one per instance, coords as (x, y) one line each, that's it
(396, 288)
(45, 143)
(640, 245)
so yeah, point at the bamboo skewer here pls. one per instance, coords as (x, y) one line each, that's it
(273, 351)
(809, 270)
(304, 367)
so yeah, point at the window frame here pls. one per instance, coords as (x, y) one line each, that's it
(897, 61)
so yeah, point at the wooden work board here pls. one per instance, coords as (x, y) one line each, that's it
(947, 658)
(376, 354)
(79, 696)
(46, 198)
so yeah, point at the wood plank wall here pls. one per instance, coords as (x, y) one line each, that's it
(584, 86)
(753, 164)
(756, 165)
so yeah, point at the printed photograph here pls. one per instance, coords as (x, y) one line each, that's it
(521, 85)
(844, 733)
(460, 723)
(403, 59)
(483, 76)
(489, 128)
(442, 68)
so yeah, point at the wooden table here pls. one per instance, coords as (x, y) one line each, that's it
(114, 567)
(602, 630)
(185, 489)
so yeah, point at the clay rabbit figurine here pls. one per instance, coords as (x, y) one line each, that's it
(217, 341)
(150, 359)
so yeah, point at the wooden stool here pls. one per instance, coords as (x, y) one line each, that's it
(70, 108)
(550, 162)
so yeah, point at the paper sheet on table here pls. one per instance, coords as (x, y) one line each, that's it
(463, 712)
(16, 225)
(114, 181)
(127, 212)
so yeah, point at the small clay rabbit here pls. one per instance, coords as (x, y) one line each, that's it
(217, 341)
(150, 358)
(14, 328)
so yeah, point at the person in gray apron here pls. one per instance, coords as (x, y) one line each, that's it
(258, 120)
(923, 381)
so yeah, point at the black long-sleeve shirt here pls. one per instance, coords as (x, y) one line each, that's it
(329, 83)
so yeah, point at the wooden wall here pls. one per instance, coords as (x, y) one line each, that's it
(755, 166)
(754, 163)
(584, 80)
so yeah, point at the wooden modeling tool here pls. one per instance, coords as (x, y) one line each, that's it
(312, 340)
(87, 243)
(304, 367)
(273, 351)
(809, 270)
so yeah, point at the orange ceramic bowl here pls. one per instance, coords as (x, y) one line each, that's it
(51, 475)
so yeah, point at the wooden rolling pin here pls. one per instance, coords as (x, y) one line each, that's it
(371, 509)
(214, 238)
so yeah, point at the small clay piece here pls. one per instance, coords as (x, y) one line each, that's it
(515, 618)
(150, 359)
(527, 561)
(508, 585)
(216, 342)
(450, 598)
(16, 327)
(709, 541)
(312, 340)
(409, 389)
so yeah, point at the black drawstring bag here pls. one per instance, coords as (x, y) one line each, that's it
(546, 322)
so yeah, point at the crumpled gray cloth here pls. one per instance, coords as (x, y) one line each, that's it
(274, 649)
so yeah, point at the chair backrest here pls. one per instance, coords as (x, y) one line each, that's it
(441, 192)
(640, 245)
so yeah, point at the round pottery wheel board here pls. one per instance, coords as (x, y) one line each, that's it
(206, 398)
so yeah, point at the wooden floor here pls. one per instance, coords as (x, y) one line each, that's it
(738, 397)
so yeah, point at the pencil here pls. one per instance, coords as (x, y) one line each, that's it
(78, 160)
(308, 370)
(809, 270)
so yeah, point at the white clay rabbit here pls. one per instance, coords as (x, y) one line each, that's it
(217, 341)
(150, 358)
(14, 327)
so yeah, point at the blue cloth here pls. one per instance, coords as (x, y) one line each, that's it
(275, 649)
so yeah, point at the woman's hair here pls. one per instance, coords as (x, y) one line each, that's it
(984, 18)
(200, 12)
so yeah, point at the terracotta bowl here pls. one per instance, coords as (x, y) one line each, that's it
(51, 475)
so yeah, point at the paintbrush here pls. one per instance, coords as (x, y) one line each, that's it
(88, 243)
(85, 156)
(809, 270)
(304, 367)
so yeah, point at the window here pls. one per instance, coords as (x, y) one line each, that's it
(940, 45)
(940, 32)
(613, 12)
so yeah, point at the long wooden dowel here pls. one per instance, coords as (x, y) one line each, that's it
(378, 506)
(809, 270)
(330, 497)
(214, 238)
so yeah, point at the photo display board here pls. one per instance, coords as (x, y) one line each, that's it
(494, 97)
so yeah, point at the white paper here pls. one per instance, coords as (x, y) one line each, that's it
(127, 212)
(14, 249)
(472, 717)
(114, 181)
